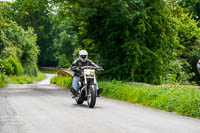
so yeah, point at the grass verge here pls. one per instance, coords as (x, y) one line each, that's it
(24, 79)
(184, 101)
(50, 72)
(64, 81)
(2, 80)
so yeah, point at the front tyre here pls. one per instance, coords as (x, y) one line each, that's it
(91, 99)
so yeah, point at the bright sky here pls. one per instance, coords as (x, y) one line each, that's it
(7, 0)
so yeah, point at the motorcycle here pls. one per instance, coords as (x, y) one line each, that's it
(87, 86)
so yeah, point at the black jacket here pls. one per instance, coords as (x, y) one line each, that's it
(77, 64)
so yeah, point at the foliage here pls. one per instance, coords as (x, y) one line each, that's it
(17, 45)
(2, 80)
(55, 36)
(64, 39)
(24, 79)
(189, 36)
(177, 74)
(34, 13)
(64, 81)
(26, 40)
(184, 101)
(135, 40)
(63, 62)
(76, 52)
(152, 41)
(12, 66)
(192, 5)
(49, 72)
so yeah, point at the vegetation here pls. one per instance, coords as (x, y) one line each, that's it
(152, 41)
(18, 49)
(2, 80)
(49, 72)
(24, 79)
(182, 100)
(193, 7)
(64, 81)
(34, 14)
(55, 37)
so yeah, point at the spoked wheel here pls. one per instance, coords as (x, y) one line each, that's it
(91, 99)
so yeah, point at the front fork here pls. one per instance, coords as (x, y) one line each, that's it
(86, 86)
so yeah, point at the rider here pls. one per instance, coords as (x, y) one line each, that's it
(76, 68)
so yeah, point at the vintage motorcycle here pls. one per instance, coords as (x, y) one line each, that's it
(87, 86)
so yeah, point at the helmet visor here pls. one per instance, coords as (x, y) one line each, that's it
(84, 57)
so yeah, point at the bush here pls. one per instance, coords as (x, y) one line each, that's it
(2, 80)
(30, 69)
(18, 70)
(12, 66)
(2, 67)
(184, 101)
(64, 81)
(177, 72)
(63, 62)
(18, 48)
(24, 79)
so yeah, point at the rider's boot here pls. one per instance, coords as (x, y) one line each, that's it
(99, 92)
(73, 91)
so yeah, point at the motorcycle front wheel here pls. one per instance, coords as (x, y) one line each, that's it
(91, 98)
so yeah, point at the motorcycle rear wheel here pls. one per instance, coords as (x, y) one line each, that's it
(91, 99)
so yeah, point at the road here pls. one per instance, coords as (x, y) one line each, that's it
(46, 108)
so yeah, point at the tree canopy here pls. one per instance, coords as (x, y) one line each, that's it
(135, 40)
(152, 41)
(17, 46)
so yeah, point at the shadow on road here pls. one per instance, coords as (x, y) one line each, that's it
(30, 89)
(86, 106)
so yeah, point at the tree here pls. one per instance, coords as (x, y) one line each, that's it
(192, 5)
(35, 14)
(64, 38)
(134, 40)
(17, 46)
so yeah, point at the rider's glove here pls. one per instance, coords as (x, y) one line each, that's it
(77, 69)
(99, 68)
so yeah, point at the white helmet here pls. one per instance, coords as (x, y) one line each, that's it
(83, 55)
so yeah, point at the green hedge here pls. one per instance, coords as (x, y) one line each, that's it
(25, 79)
(12, 66)
(184, 101)
(2, 80)
(64, 81)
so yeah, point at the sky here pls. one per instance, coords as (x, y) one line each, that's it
(7, 0)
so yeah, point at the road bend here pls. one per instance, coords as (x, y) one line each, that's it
(45, 108)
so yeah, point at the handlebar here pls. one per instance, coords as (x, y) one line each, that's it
(91, 67)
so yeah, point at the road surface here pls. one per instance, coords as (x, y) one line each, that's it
(46, 108)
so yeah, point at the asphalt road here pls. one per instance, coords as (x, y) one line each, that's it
(45, 108)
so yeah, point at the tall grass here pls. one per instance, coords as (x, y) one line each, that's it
(184, 101)
(49, 72)
(2, 80)
(24, 79)
(64, 81)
